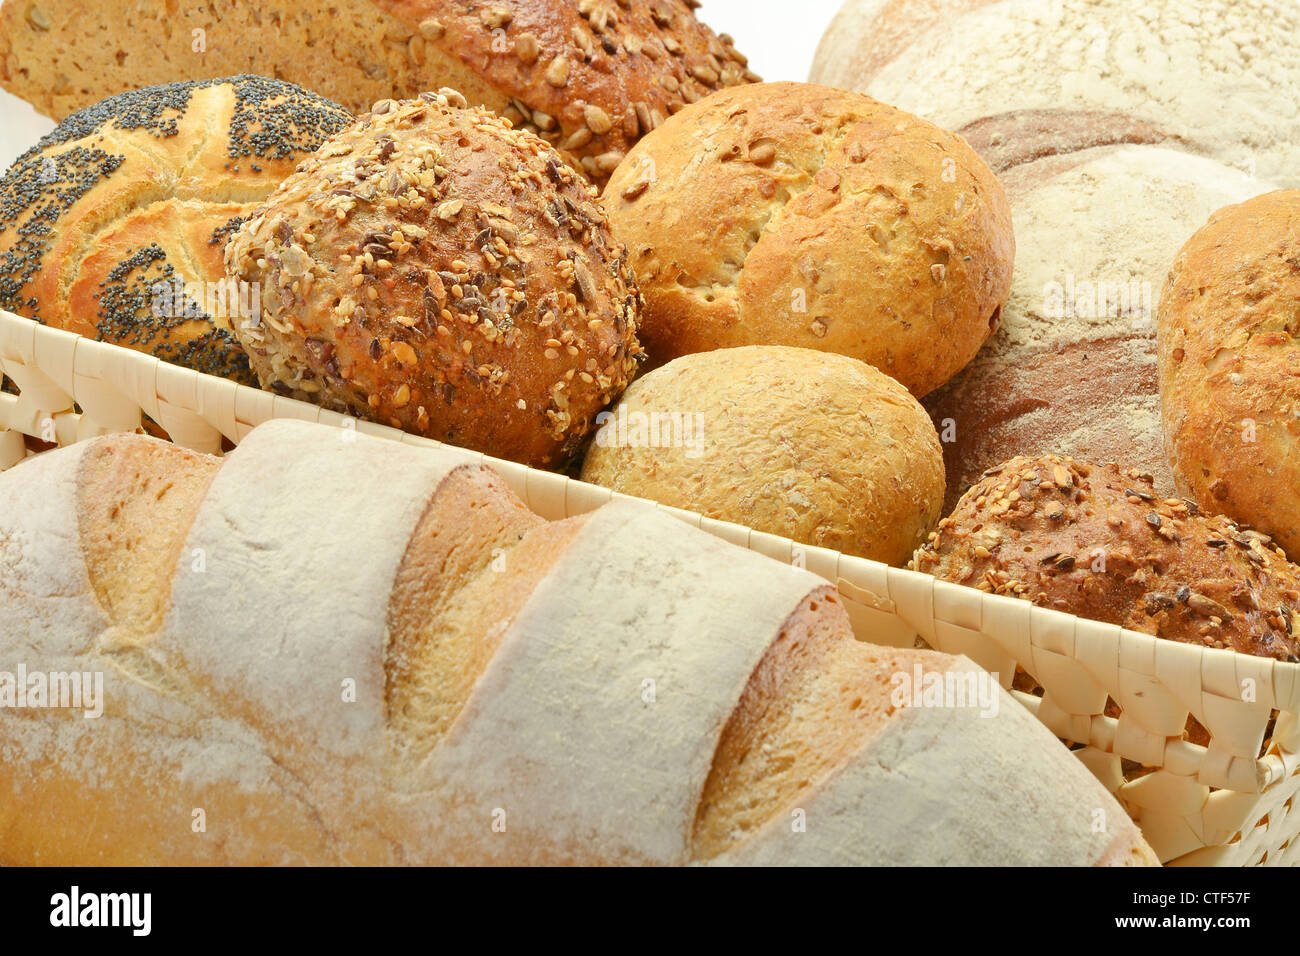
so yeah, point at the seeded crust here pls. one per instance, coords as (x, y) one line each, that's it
(793, 214)
(819, 448)
(1229, 360)
(592, 75)
(143, 187)
(1096, 542)
(433, 269)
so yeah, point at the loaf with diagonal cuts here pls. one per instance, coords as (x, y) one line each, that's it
(328, 648)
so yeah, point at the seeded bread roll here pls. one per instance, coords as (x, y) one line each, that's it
(105, 216)
(590, 75)
(1072, 369)
(433, 269)
(1214, 76)
(791, 214)
(819, 448)
(1230, 365)
(1097, 542)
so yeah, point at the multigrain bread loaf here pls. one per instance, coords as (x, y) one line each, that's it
(591, 76)
(819, 448)
(112, 226)
(1229, 325)
(1072, 369)
(1098, 542)
(434, 269)
(1207, 75)
(483, 687)
(793, 214)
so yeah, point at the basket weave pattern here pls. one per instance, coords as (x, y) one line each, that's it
(1218, 805)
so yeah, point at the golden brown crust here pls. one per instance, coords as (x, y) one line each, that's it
(794, 214)
(548, 63)
(1094, 541)
(141, 189)
(1229, 333)
(1011, 139)
(591, 76)
(819, 448)
(433, 269)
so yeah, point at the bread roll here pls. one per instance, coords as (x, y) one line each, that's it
(591, 77)
(1213, 75)
(1230, 365)
(792, 214)
(112, 225)
(482, 687)
(435, 270)
(1098, 542)
(819, 448)
(1072, 370)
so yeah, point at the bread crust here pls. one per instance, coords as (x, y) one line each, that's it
(1097, 542)
(1229, 350)
(142, 189)
(433, 269)
(819, 448)
(548, 64)
(793, 214)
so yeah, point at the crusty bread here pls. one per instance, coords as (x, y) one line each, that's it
(1098, 542)
(819, 448)
(1230, 365)
(590, 76)
(793, 214)
(1072, 369)
(1207, 75)
(104, 215)
(483, 687)
(433, 269)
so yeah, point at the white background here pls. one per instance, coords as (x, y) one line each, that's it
(778, 36)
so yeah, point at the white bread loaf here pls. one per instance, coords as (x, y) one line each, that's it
(1216, 75)
(1072, 370)
(342, 649)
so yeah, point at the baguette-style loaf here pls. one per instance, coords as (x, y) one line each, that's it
(113, 225)
(1230, 365)
(1207, 75)
(419, 670)
(591, 77)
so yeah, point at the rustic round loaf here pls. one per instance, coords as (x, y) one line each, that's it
(433, 269)
(793, 214)
(1215, 75)
(590, 76)
(816, 447)
(112, 226)
(1229, 325)
(1072, 369)
(1098, 542)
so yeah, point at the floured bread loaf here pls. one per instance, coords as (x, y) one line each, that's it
(1214, 75)
(1072, 370)
(481, 687)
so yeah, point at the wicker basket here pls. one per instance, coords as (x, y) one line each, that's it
(1218, 805)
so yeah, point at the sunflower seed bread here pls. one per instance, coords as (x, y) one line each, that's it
(1095, 541)
(112, 226)
(591, 76)
(434, 269)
